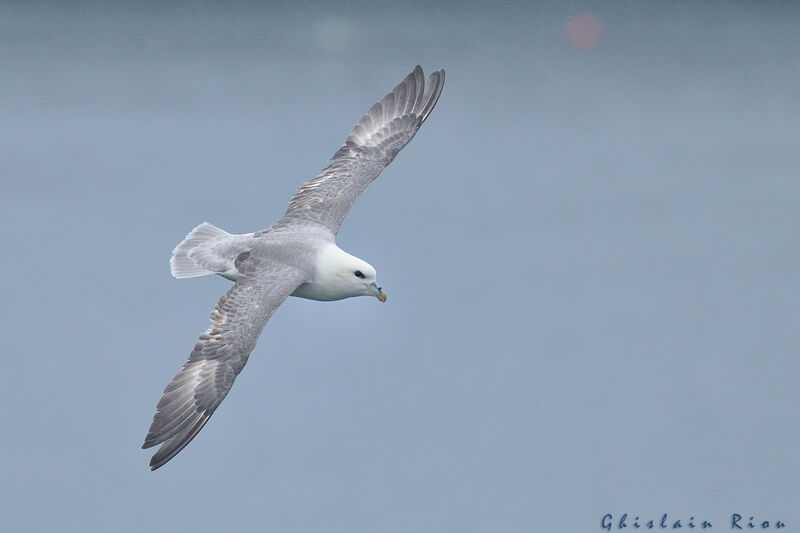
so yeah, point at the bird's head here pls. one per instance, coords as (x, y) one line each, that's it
(362, 279)
(341, 275)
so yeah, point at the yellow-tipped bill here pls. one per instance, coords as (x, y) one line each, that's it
(376, 291)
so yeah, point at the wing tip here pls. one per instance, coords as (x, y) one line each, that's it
(421, 98)
(173, 446)
(433, 91)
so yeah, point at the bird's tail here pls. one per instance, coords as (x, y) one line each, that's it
(188, 258)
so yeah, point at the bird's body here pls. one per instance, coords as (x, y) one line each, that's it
(297, 255)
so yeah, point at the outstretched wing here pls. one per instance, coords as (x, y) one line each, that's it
(375, 140)
(199, 387)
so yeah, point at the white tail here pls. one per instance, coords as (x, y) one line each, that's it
(187, 259)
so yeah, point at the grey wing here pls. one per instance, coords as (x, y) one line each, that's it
(374, 142)
(199, 387)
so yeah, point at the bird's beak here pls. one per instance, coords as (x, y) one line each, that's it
(376, 291)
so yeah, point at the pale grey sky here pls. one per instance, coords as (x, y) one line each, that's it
(590, 249)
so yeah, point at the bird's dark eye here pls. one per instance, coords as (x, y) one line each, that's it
(359, 274)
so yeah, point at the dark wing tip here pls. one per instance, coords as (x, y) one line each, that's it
(433, 91)
(412, 96)
(173, 446)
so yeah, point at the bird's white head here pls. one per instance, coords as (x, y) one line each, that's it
(362, 278)
(341, 275)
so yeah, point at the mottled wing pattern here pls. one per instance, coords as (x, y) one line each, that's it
(199, 387)
(374, 142)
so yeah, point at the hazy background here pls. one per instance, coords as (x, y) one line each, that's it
(591, 253)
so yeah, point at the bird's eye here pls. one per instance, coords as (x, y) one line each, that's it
(359, 274)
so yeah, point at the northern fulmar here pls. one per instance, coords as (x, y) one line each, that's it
(295, 256)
